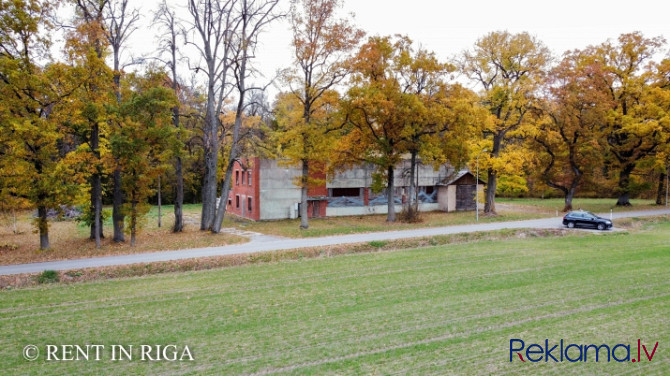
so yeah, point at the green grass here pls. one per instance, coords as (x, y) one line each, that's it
(508, 210)
(438, 310)
(371, 223)
(596, 205)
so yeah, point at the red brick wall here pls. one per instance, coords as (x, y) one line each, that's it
(318, 171)
(242, 189)
(321, 204)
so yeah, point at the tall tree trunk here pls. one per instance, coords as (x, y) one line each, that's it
(239, 113)
(133, 223)
(209, 183)
(412, 202)
(159, 202)
(390, 217)
(117, 203)
(43, 225)
(304, 220)
(624, 185)
(660, 193)
(225, 190)
(117, 210)
(223, 200)
(491, 186)
(492, 176)
(179, 199)
(572, 190)
(179, 175)
(96, 208)
(569, 195)
(96, 189)
(14, 221)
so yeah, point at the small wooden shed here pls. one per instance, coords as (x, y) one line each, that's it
(458, 193)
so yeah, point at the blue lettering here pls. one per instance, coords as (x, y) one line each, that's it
(529, 352)
(567, 356)
(627, 358)
(547, 351)
(597, 349)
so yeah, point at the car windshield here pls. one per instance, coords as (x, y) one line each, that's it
(583, 214)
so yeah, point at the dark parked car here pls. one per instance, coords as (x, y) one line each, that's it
(586, 219)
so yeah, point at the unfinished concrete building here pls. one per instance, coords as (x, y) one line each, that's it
(265, 189)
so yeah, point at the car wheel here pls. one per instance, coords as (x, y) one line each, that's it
(601, 226)
(571, 224)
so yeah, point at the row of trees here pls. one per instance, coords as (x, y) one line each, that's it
(594, 117)
(80, 125)
(83, 126)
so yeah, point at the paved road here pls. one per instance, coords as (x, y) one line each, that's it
(263, 243)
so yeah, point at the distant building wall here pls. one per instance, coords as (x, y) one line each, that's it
(243, 198)
(278, 194)
(271, 193)
(451, 198)
(361, 176)
(376, 209)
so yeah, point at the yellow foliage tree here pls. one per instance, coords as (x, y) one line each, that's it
(508, 68)
(321, 43)
(35, 152)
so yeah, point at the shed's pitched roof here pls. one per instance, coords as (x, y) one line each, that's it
(459, 176)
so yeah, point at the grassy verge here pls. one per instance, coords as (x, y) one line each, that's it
(508, 210)
(373, 223)
(596, 205)
(448, 309)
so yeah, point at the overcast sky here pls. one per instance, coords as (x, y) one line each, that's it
(449, 27)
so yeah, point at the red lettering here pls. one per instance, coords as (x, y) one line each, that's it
(652, 353)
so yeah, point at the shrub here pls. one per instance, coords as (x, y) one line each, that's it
(48, 276)
(410, 214)
(377, 243)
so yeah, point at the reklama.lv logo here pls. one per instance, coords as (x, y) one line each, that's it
(577, 353)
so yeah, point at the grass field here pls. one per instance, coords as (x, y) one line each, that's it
(596, 205)
(438, 310)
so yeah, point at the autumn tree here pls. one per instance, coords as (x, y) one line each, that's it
(86, 47)
(376, 112)
(634, 130)
(144, 144)
(119, 23)
(572, 115)
(35, 164)
(508, 68)
(166, 18)
(253, 17)
(661, 91)
(444, 115)
(213, 27)
(296, 139)
(321, 42)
